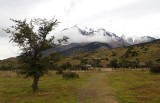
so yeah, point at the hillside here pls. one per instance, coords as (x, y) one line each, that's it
(142, 54)
(100, 54)
(76, 47)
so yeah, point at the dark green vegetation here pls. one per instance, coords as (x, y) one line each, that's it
(91, 87)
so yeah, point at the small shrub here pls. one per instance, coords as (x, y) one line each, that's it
(107, 59)
(68, 75)
(66, 66)
(59, 71)
(113, 63)
(148, 64)
(158, 60)
(134, 53)
(155, 69)
(84, 61)
(6, 67)
(114, 54)
(145, 49)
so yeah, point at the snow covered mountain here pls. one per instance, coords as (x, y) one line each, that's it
(87, 39)
(143, 39)
(137, 40)
(86, 35)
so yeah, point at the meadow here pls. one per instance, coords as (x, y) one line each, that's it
(92, 87)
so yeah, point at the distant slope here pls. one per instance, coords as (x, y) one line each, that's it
(142, 53)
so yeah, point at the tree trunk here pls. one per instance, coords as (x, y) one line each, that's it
(35, 83)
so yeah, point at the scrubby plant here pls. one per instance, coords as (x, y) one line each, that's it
(66, 66)
(113, 54)
(84, 61)
(96, 63)
(113, 63)
(59, 71)
(155, 69)
(69, 74)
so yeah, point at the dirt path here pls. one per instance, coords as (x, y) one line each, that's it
(96, 90)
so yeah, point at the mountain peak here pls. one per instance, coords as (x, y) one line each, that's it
(137, 39)
(83, 34)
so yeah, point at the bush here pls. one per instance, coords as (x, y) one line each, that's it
(134, 53)
(114, 54)
(67, 75)
(96, 63)
(155, 69)
(84, 61)
(66, 66)
(6, 67)
(130, 52)
(113, 63)
(59, 71)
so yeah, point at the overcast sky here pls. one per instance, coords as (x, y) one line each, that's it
(129, 17)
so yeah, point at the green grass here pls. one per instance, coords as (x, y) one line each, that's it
(53, 89)
(91, 87)
(135, 86)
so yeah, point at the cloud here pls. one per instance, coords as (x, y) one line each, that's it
(137, 17)
(7, 49)
(68, 8)
(137, 9)
(17, 9)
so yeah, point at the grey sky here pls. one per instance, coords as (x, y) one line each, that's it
(130, 17)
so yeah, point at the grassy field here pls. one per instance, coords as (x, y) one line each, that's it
(87, 89)
(91, 87)
(135, 86)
